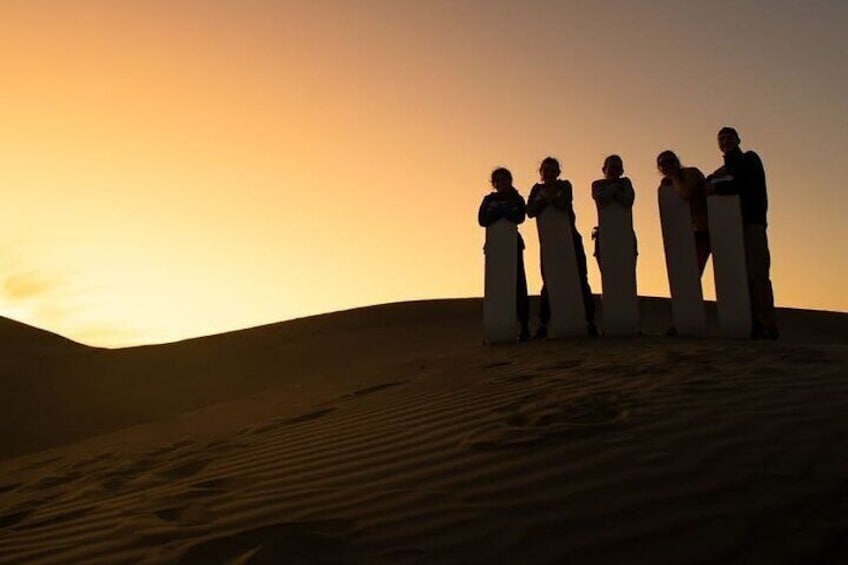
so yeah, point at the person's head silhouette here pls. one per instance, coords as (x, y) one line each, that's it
(501, 179)
(549, 170)
(668, 163)
(613, 167)
(728, 139)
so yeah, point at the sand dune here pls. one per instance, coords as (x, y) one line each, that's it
(391, 435)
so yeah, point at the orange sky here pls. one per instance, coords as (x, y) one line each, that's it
(178, 169)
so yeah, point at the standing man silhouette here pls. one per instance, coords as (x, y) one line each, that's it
(743, 174)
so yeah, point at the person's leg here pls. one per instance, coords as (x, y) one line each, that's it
(544, 303)
(596, 239)
(702, 249)
(522, 301)
(758, 263)
(544, 312)
(583, 273)
(544, 306)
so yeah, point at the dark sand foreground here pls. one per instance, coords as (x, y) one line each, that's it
(391, 435)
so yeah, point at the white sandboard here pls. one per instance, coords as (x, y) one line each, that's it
(568, 315)
(731, 275)
(501, 251)
(684, 280)
(618, 269)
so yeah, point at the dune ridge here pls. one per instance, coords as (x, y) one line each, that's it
(391, 435)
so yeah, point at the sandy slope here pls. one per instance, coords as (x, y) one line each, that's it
(390, 435)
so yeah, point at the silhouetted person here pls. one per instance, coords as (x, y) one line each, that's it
(553, 191)
(690, 184)
(743, 174)
(506, 203)
(612, 189)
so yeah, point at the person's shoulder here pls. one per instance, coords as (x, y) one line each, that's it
(693, 173)
(599, 183)
(515, 194)
(752, 156)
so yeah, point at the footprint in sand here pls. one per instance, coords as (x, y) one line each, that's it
(42, 463)
(699, 358)
(308, 417)
(286, 542)
(316, 414)
(376, 388)
(516, 379)
(170, 448)
(183, 469)
(190, 503)
(55, 481)
(218, 485)
(13, 518)
(113, 481)
(549, 419)
(194, 513)
(806, 356)
(562, 365)
(276, 424)
(60, 518)
(86, 464)
(169, 514)
(9, 488)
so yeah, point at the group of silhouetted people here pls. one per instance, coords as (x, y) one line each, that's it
(741, 174)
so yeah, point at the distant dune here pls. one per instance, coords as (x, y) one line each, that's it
(390, 434)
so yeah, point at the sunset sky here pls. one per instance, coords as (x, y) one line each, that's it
(172, 169)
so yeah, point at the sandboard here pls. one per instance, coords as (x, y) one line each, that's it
(568, 315)
(618, 270)
(684, 280)
(501, 258)
(731, 275)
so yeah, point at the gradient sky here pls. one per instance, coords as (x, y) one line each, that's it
(174, 169)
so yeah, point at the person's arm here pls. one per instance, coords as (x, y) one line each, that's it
(725, 186)
(603, 192)
(701, 187)
(489, 213)
(535, 202)
(717, 174)
(753, 169)
(563, 197)
(515, 210)
(722, 182)
(689, 186)
(483, 212)
(625, 195)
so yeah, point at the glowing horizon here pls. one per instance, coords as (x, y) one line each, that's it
(177, 171)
